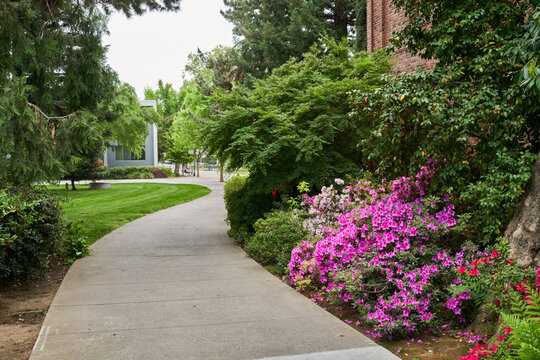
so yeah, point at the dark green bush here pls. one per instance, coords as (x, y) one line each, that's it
(244, 207)
(31, 227)
(275, 237)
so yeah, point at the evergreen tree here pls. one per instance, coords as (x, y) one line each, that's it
(55, 84)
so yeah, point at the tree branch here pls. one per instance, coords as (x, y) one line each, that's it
(37, 109)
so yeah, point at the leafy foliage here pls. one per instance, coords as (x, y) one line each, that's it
(295, 125)
(482, 130)
(244, 207)
(527, 52)
(274, 238)
(74, 244)
(169, 102)
(31, 227)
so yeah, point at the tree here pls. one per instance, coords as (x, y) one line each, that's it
(212, 71)
(124, 122)
(294, 125)
(47, 117)
(215, 69)
(128, 7)
(187, 126)
(54, 81)
(169, 102)
(268, 33)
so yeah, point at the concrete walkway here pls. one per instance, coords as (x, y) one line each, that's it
(173, 285)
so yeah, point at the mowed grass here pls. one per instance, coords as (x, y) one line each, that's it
(102, 211)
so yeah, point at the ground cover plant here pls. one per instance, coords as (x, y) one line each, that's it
(103, 211)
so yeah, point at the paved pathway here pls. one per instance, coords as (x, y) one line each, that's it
(172, 285)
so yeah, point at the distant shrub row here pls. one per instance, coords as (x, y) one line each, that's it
(136, 172)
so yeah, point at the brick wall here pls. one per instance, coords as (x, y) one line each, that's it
(382, 20)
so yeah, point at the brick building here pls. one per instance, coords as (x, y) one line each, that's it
(382, 19)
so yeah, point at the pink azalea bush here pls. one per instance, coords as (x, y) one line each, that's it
(377, 248)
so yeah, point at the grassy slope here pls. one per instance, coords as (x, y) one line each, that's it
(102, 211)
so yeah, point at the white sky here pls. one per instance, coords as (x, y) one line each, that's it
(145, 49)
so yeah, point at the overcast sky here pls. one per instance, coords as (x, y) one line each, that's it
(145, 49)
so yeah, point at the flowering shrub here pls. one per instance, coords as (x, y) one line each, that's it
(377, 247)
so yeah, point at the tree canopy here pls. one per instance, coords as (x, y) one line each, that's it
(57, 92)
(294, 125)
(268, 33)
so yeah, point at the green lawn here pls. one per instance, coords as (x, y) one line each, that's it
(102, 211)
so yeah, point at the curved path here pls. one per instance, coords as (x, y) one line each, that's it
(173, 285)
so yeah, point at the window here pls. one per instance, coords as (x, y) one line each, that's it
(123, 154)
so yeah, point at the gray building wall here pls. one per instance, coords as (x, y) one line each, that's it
(151, 146)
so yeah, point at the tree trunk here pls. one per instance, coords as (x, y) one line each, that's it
(221, 179)
(73, 185)
(340, 18)
(523, 232)
(198, 162)
(176, 168)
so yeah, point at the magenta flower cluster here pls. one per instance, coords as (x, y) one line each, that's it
(374, 247)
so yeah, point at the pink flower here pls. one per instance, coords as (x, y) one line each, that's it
(508, 330)
(494, 254)
(462, 269)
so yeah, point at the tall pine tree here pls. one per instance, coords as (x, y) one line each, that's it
(268, 33)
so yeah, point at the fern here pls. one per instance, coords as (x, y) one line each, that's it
(524, 340)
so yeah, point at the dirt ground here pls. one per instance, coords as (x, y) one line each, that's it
(23, 309)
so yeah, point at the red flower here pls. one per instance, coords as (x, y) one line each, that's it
(462, 269)
(474, 272)
(475, 263)
(494, 254)
(508, 330)
(522, 287)
(497, 302)
(510, 262)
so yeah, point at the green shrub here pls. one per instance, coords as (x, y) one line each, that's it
(140, 175)
(31, 227)
(275, 237)
(244, 207)
(131, 172)
(75, 242)
(135, 175)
